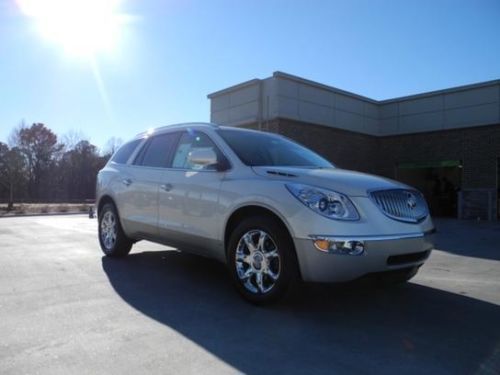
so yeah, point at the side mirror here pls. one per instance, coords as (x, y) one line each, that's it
(202, 157)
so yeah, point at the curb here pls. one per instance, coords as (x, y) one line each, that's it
(45, 214)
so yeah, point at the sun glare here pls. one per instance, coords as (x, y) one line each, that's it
(80, 27)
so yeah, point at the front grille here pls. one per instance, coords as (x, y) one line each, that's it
(395, 260)
(401, 204)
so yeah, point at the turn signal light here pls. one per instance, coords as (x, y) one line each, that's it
(336, 246)
(322, 245)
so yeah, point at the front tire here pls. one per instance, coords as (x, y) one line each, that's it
(262, 260)
(114, 243)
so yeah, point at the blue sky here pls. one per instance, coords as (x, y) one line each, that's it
(170, 54)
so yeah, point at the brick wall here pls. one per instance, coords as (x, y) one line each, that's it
(478, 148)
(345, 149)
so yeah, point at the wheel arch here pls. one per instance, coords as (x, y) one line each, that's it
(251, 210)
(254, 210)
(104, 200)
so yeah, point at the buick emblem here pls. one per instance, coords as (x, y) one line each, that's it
(411, 202)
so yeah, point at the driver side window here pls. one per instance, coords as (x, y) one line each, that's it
(191, 141)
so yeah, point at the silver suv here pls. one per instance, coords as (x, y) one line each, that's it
(272, 210)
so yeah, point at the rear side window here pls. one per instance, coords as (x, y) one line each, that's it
(123, 154)
(157, 151)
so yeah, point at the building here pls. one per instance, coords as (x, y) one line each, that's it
(446, 142)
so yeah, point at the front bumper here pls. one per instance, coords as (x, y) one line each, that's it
(381, 253)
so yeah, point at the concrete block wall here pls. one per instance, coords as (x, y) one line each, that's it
(301, 100)
(290, 97)
(468, 106)
(237, 106)
(294, 98)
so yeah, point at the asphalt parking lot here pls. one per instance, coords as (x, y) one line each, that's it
(66, 309)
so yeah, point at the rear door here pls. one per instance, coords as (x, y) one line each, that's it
(140, 201)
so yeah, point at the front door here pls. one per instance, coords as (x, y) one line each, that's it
(189, 196)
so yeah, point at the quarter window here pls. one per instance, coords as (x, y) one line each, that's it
(123, 154)
(157, 151)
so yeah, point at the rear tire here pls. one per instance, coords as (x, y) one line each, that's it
(114, 243)
(261, 258)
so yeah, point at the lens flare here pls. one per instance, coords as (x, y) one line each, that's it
(80, 27)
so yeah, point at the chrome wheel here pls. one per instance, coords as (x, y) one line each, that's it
(257, 261)
(109, 230)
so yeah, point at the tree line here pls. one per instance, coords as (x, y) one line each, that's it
(36, 166)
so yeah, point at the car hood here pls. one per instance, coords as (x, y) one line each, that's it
(341, 180)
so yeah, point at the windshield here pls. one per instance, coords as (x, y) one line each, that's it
(264, 149)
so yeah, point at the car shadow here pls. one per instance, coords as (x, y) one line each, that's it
(468, 238)
(354, 328)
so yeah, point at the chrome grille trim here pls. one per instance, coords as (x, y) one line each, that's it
(401, 204)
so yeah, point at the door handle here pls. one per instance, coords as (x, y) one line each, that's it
(126, 181)
(166, 187)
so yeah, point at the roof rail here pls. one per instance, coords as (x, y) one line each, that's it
(180, 125)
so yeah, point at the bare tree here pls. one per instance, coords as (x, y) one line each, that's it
(72, 138)
(112, 145)
(13, 139)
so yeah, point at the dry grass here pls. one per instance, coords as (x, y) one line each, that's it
(44, 208)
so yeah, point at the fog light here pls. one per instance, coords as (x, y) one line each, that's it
(337, 246)
(355, 247)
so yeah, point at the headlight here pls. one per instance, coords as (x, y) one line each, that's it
(325, 202)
